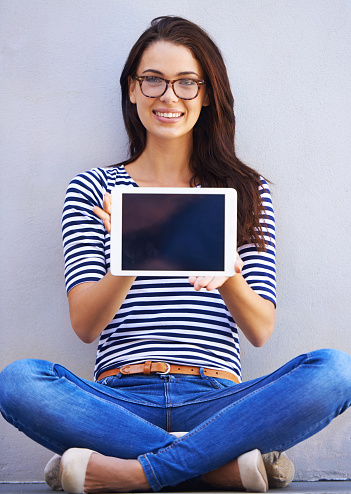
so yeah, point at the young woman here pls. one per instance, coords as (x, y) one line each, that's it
(168, 358)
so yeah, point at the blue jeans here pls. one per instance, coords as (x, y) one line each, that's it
(131, 416)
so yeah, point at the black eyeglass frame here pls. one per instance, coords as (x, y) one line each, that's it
(142, 78)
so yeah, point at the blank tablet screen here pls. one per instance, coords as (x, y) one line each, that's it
(173, 232)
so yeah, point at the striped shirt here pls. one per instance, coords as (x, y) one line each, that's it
(162, 318)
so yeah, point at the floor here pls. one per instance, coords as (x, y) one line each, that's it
(341, 487)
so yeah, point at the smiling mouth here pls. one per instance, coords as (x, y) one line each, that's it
(168, 114)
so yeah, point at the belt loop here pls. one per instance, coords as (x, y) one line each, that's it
(147, 367)
(202, 373)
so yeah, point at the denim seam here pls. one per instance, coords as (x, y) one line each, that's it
(169, 398)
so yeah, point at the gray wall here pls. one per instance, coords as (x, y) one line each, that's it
(289, 64)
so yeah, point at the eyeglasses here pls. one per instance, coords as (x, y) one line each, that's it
(155, 87)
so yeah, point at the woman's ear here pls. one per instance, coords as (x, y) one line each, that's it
(132, 90)
(206, 101)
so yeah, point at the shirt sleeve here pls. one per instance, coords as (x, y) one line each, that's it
(83, 233)
(259, 266)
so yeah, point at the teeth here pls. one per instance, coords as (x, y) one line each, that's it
(168, 115)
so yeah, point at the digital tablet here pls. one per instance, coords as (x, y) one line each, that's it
(158, 231)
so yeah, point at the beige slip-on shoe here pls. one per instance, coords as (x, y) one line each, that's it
(73, 468)
(252, 471)
(280, 469)
(52, 473)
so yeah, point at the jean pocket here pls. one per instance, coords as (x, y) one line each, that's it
(220, 383)
(108, 381)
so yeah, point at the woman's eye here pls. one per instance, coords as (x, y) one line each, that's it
(187, 82)
(153, 80)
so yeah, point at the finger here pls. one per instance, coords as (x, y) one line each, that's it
(192, 279)
(107, 203)
(106, 218)
(107, 225)
(216, 282)
(101, 213)
(202, 282)
(238, 264)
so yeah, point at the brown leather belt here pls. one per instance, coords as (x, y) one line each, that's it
(164, 368)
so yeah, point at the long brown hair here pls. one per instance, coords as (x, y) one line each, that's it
(213, 162)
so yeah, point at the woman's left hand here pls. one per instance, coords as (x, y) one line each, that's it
(213, 282)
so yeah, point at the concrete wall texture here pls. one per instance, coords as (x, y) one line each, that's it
(289, 63)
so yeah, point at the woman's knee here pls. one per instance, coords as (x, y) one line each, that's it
(335, 360)
(22, 369)
(17, 379)
(334, 366)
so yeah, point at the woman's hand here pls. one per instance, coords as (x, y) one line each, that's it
(105, 214)
(213, 282)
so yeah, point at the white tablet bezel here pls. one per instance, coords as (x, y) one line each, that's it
(230, 230)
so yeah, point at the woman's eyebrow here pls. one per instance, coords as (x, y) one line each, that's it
(179, 73)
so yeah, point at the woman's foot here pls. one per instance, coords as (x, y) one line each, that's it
(108, 474)
(88, 471)
(226, 477)
(247, 472)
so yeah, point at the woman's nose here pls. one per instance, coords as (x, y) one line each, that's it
(169, 95)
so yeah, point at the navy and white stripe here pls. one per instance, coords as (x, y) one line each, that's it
(162, 319)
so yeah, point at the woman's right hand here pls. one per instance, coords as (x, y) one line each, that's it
(105, 213)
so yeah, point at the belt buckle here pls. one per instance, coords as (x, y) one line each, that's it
(167, 371)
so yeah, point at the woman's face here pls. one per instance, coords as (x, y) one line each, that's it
(168, 117)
